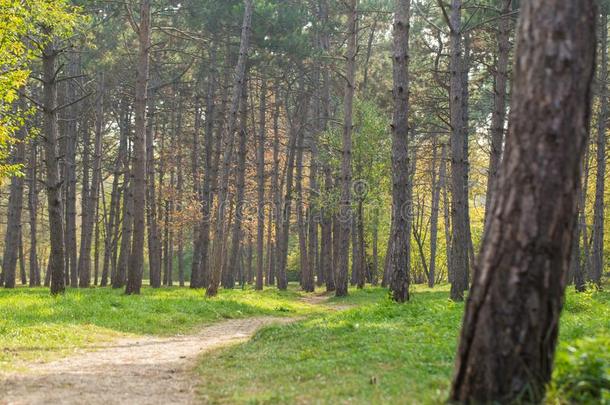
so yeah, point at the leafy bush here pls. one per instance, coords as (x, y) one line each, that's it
(582, 373)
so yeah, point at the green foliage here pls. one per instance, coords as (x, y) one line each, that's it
(25, 28)
(34, 325)
(582, 364)
(582, 373)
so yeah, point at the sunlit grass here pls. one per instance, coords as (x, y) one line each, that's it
(379, 352)
(36, 326)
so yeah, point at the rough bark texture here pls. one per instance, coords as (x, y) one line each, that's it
(511, 323)
(33, 210)
(459, 199)
(240, 187)
(307, 276)
(597, 257)
(398, 262)
(498, 115)
(240, 73)
(436, 198)
(260, 176)
(201, 246)
(89, 220)
(138, 173)
(154, 242)
(57, 262)
(12, 238)
(345, 222)
(69, 140)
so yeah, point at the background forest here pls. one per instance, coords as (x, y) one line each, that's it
(249, 145)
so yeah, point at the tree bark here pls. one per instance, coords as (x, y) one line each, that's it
(307, 278)
(459, 199)
(240, 73)
(69, 167)
(436, 198)
(346, 158)
(512, 317)
(498, 115)
(12, 238)
(113, 223)
(597, 257)
(33, 210)
(53, 182)
(240, 187)
(154, 243)
(91, 198)
(260, 175)
(138, 172)
(398, 262)
(202, 243)
(275, 193)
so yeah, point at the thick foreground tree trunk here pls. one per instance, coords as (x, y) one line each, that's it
(511, 322)
(398, 262)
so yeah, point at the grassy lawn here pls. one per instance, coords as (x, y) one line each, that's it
(36, 326)
(382, 352)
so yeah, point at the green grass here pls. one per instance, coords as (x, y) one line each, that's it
(36, 326)
(379, 352)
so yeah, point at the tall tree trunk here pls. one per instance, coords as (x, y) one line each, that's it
(459, 166)
(201, 246)
(375, 269)
(154, 243)
(90, 219)
(260, 175)
(580, 268)
(444, 184)
(400, 238)
(346, 159)
(138, 173)
(33, 210)
(24, 279)
(179, 191)
(69, 158)
(240, 187)
(436, 198)
(512, 317)
(274, 213)
(113, 223)
(307, 279)
(326, 246)
(53, 182)
(297, 125)
(597, 258)
(466, 128)
(240, 73)
(498, 115)
(126, 231)
(12, 238)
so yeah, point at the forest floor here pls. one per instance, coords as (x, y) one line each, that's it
(144, 370)
(114, 364)
(98, 346)
(379, 352)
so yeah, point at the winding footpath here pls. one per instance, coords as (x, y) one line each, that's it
(145, 370)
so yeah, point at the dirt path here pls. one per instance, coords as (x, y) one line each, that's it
(146, 370)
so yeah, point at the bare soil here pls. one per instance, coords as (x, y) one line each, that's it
(146, 370)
